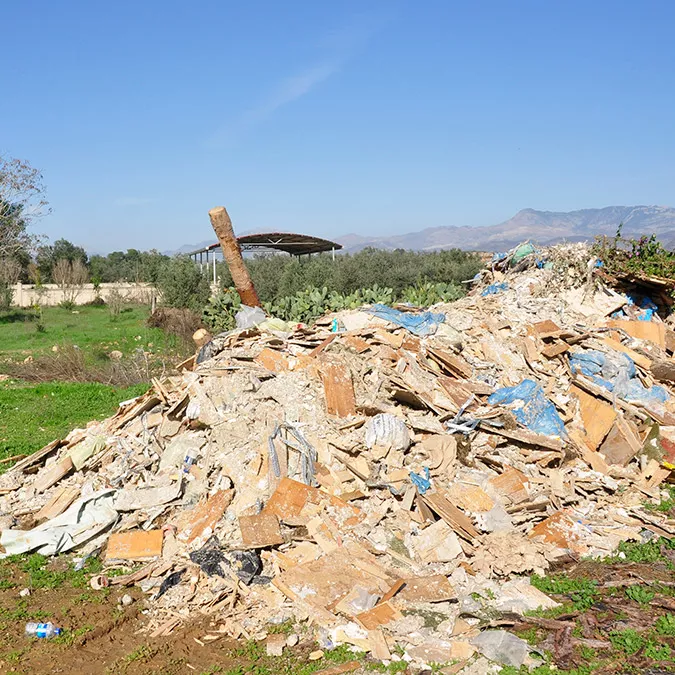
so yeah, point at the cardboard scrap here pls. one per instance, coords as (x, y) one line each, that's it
(560, 529)
(654, 331)
(135, 545)
(513, 484)
(437, 543)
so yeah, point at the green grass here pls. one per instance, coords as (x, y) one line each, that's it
(92, 329)
(33, 415)
(582, 592)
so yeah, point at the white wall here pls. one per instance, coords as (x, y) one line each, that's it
(27, 295)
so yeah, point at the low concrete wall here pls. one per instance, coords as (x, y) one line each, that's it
(27, 295)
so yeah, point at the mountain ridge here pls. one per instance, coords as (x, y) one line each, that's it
(542, 227)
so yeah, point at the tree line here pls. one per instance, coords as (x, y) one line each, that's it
(26, 257)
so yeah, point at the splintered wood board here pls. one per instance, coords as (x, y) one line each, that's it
(53, 474)
(338, 389)
(291, 496)
(461, 524)
(192, 524)
(597, 416)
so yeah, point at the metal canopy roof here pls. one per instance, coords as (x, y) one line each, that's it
(295, 244)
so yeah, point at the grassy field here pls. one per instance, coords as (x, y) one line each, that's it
(24, 333)
(32, 414)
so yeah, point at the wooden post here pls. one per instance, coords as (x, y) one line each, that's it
(222, 226)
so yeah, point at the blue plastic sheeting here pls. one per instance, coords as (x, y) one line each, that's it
(532, 408)
(422, 483)
(646, 304)
(616, 373)
(422, 323)
(493, 289)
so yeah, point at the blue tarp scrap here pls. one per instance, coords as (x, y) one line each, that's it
(617, 374)
(421, 323)
(645, 303)
(531, 408)
(422, 483)
(493, 289)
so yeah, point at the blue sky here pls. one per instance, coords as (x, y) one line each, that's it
(334, 117)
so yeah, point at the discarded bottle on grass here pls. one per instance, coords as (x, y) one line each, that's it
(42, 630)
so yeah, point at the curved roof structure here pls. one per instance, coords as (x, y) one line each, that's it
(295, 244)
(288, 242)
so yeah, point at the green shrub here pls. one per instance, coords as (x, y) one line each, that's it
(183, 285)
(6, 295)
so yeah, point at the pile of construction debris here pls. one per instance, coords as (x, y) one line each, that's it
(389, 475)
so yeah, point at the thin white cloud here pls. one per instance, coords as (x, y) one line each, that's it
(338, 46)
(133, 201)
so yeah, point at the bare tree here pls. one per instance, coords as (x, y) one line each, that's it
(22, 200)
(10, 271)
(71, 278)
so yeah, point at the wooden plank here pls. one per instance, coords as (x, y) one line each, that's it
(380, 615)
(358, 344)
(654, 331)
(339, 669)
(440, 504)
(58, 503)
(38, 456)
(260, 531)
(135, 545)
(641, 360)
(319, 348)
(338, 389)
(53, 474)
(455, 364)
(596, 415)
(555, 349)
(546, 329)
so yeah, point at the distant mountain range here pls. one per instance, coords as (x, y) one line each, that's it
(542, 227)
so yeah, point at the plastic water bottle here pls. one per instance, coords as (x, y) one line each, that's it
(190, 459)
(42, 630)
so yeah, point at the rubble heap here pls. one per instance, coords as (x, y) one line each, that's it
(390, 476)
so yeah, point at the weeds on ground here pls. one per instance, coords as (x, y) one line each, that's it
(582, 592)
(638, 256)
